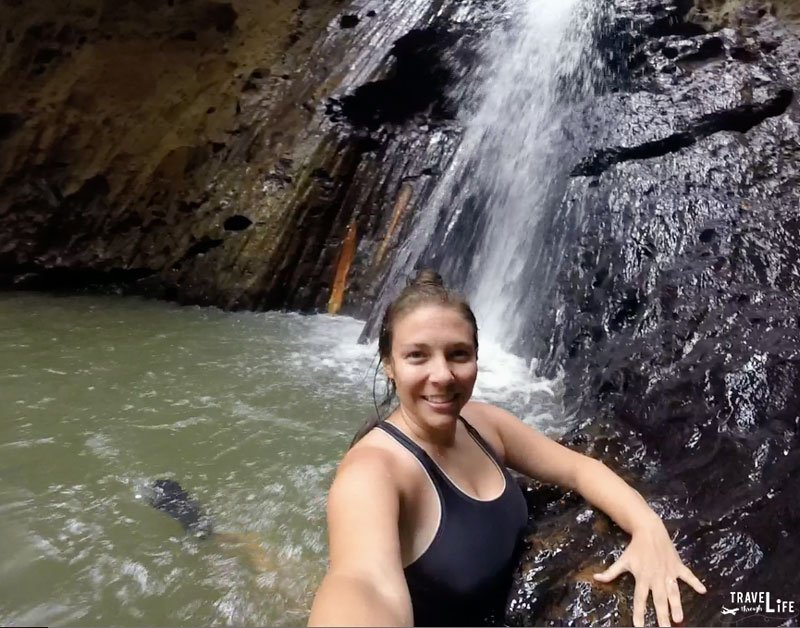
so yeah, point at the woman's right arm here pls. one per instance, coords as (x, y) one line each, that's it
(365, 584)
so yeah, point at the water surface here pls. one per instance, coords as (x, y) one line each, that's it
(249, 411)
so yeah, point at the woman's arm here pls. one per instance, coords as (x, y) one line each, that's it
(365, 584)
(651, 556)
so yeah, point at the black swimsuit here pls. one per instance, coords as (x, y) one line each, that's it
(463, 577)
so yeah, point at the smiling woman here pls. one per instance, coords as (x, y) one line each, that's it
(436, 363)
(425, 520)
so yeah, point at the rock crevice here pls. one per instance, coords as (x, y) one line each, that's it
(739, 119)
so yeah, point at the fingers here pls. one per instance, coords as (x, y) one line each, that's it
(661, 605)
(640, 592)
(689, 578)
(674, 597)
(612, 572)
(666, 593)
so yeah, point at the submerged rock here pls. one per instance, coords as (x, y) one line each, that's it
(682, 352)
(169, 497)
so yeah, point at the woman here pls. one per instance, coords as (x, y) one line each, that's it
(425, 520)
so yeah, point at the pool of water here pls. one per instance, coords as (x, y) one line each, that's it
(250, 412)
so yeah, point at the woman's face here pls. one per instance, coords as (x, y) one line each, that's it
(433, 363)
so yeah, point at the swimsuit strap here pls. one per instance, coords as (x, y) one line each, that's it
(464, 575)
(476, 435)
(433, 470)
(439, 477)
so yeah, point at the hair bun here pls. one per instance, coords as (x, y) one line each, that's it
(427, 277)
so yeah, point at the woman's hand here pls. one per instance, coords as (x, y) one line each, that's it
(654, 562)
(650, 557)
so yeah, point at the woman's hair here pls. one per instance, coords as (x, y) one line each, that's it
(427, 288)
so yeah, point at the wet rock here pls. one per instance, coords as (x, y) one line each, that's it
(171, 498)
(117, 117)
(682, 352)
(193, 112)
(417, 83)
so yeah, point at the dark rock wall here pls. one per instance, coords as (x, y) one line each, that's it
(220, 152)
(681, 349)
(124, 124)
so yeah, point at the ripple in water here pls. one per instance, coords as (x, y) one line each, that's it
(250, 412)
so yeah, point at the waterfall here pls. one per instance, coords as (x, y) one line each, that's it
(522, 160)
(482, 225)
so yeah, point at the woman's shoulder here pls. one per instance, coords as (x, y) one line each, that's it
(479, 409)
(482, 414)
(370, 457)
(367, 454)
(363, 472)
(378, 455)
(487, 414)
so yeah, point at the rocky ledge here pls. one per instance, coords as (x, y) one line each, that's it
(682, 354)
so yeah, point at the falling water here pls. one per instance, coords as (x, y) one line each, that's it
(521, 131)
(481, 226)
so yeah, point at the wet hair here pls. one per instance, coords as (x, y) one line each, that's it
(427, 288)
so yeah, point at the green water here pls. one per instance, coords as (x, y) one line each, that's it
(249, 411)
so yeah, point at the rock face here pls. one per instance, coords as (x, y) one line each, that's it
(682, 352)
(241, 154)
(116, 115)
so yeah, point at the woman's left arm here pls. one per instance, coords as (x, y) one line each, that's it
(650, 556)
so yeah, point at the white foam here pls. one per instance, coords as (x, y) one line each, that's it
(504, 378)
